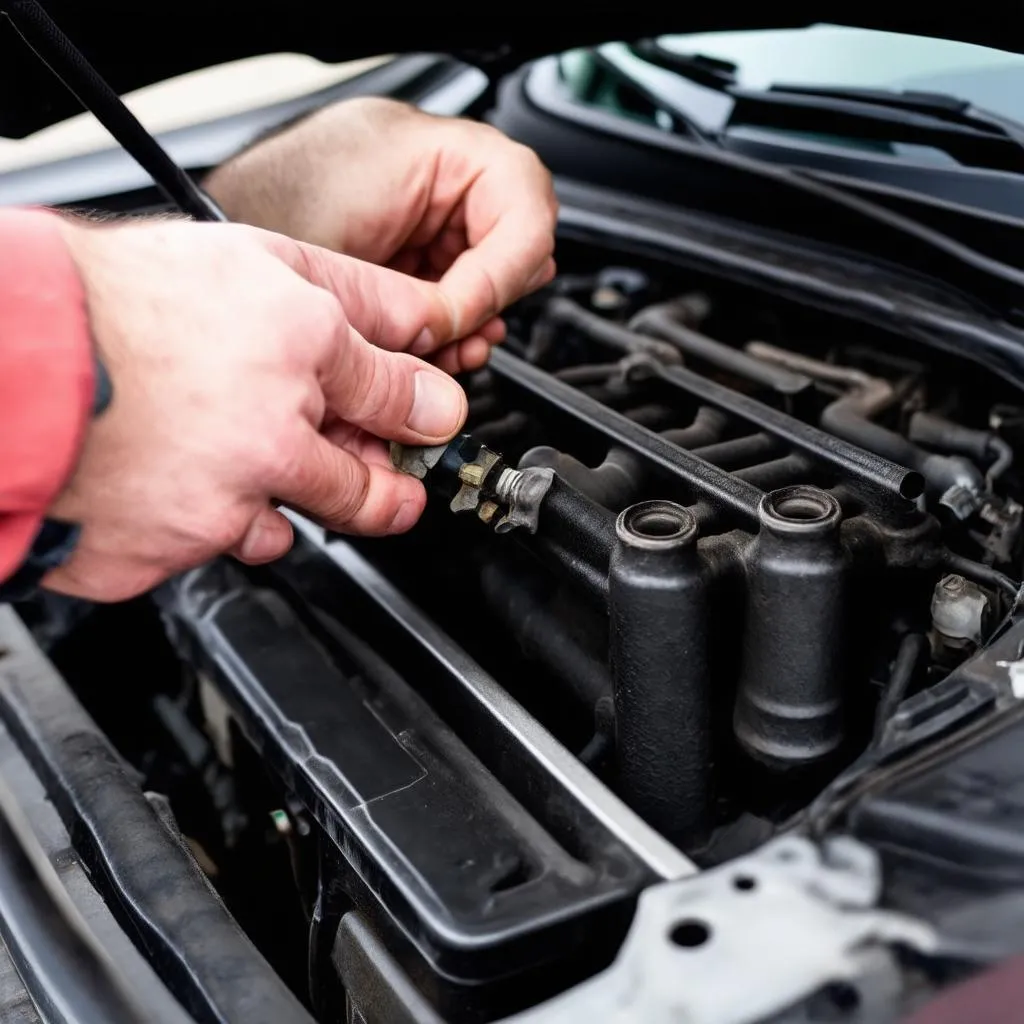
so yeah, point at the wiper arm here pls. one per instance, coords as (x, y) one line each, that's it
(974, 137)
(695, 67)
(942, 105)
(680, 117)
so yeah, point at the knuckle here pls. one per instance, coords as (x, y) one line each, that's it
(333, 494)
(223, 532)
(104, 581)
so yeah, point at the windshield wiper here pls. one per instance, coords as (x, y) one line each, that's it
(695, 67)
(973, 137)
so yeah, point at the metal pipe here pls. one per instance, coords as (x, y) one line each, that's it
(660, 455)
(660, 673)
(663, 321)
(612, 335)
(788, 711)
(617, 481)
(707, 427)
(951, 480)
(588, 373)
(853, 459)
(740, 451)
(982, 446)
(777, 473)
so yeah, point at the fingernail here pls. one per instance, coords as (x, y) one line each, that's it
(437, 405)
(405, 517)
(423, 342)
(251, 541)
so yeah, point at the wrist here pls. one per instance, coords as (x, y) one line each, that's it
(49, 386)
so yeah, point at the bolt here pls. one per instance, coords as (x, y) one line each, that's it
(953, 585)
(508, 484)
(607, 298)
(487, 511)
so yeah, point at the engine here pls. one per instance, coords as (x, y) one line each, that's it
(699, 557)
(710, 546)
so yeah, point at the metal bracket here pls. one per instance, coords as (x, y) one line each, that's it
(746, 941)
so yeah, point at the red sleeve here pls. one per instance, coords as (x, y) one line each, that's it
(46, 374)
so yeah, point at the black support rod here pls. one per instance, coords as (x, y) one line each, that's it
(45, 38)
(850, 458)
(660, 454)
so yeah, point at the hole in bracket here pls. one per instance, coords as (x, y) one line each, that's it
(690, 934)
(744, 883)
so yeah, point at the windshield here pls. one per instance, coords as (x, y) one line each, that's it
(824, 56)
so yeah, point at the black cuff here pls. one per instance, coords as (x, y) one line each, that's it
(52, 547)
(55, 540)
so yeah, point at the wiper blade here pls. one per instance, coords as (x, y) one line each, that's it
(696, 67)
(942, 105)
(973, 137)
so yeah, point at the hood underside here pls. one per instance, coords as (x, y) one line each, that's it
(133, 45)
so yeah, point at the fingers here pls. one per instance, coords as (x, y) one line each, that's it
(269, 537)
(346, 494)
(389, 308)
(510, 214)
(392, 395)
(461, 356)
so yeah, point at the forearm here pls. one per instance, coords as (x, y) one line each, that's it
(47, 376)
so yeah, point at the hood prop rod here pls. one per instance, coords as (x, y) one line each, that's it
(46, 40)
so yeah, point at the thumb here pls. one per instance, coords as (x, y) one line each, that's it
(393, 395)
(390, 309)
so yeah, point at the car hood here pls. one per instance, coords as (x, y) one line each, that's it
(135, 44)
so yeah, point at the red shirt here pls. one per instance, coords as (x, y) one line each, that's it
(46, 374)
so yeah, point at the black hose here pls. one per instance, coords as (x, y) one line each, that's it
(522, 604)
(908, 657)
(980, 573)
(613, 484)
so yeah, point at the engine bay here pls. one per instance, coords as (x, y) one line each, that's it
(695, 549)
(737, 539)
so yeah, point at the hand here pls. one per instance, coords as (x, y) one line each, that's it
(243, 375)
(442, 198)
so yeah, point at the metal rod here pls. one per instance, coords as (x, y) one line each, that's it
(662, 322)
(700, 476)
(882, 474)
(46, 40)
(851, 458)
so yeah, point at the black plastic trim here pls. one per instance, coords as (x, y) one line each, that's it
(145, 873)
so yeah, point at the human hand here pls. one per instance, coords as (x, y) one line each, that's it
(441, 198)
(243, 375)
